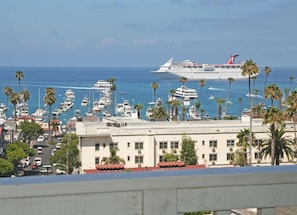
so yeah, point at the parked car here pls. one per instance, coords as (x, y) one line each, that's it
(40, 139)
(39, 150)
(38, 161)
(53, 152)
(34, 166)
(59, 169)
(46, 169)
(25, 162)
(58, 145)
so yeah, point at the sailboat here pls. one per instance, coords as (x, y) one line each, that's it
(39, 113)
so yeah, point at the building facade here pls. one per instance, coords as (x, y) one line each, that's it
(143, 143)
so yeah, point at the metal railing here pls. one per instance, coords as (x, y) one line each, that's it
(152, 192)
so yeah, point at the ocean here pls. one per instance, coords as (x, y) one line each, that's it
(133, 84)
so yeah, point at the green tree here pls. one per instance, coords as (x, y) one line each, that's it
(25, 147)
(154, 86)
(113, 93)
(170, 157)
(6, 168)
(139, 107)
(291, 111)
(113, 158)
(68, 155)
(220, 101)
(243, 142)
(240, 106)
(159, 114)
(250, 69)
(30, 130)
(14, 154)
(283, 146)
(19, 75)
(230, 80)
(188, 152)
(267, 71)
(7, 91)
(275, 118)
(49, 100)
(239, 158)
(273, 92)
(25, 95)
(291, 80)
(14, 98)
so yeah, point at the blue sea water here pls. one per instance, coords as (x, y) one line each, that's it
(134, 84)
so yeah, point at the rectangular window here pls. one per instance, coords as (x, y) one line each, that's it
(163, 145)
(138, 159)
(257, 155)
(138, 145)
(230, 143)
(97, 146)
(174, 144)
(213, 143)
(258, 142)
(113, 145)
(128, 145)
(230, 156)
(128, 158)
(161, 158)
(97, 160)
(212, 157)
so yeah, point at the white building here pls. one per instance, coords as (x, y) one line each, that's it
(143, 143)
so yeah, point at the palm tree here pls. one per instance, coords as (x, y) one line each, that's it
(184, 111)
(159, 113)
(25, 95)
(291, 80)
(267, 71)
(113, 159)
(113, 89)
(220, 101)
(230, 80)
(250, 69)
(201, 84)
(172, 91)
(154, 86)
(291, 111)
(244, 140)
(19, 75)
(7, 91)
(273, 92)
(275, 118)
(240, 106)
(287, 92)
(49, 100)
(183, 80)
(175, 104)
(138, 107)
(14, 98)
(283, 145)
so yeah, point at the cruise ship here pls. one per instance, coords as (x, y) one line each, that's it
(102, 85)
(197, 71)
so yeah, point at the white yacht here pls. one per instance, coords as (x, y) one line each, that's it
(70, 94)
(102, 85)
(183, 92)
(85, 102)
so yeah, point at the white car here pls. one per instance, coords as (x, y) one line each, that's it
(25, 162)
(46, 169)
(40, 139)
(58, 145)
(38, 161)
(39, 150)
(53, 152)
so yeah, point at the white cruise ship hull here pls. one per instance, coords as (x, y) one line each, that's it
(196, 71)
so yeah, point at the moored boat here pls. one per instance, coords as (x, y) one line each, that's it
(184, 92)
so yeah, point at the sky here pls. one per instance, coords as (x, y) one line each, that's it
(142, 33)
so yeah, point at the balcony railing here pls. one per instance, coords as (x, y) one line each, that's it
(152, 192)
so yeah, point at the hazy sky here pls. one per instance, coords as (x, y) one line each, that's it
(146, 32)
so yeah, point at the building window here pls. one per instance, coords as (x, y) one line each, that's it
(97, 160)
(163, 145)
(113, 145)
(213, 143)
(230, 143)
(97, 145)
(257, 155)
(138, 159)
(128, 145)
(138, 145)
(174, 145)
(258, 142)
(212, 157)
(128, 158)
(161, 158)
(230, 156)
(203, 156)
(203, 142)
(104, 144)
